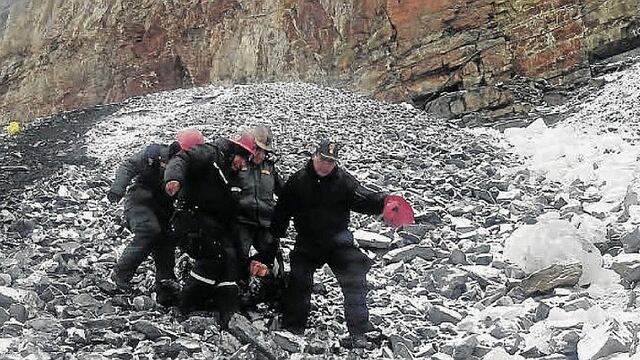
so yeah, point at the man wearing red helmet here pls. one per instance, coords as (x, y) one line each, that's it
(147, 211)
(198, 177)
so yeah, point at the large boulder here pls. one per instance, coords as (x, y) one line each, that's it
(549, 278)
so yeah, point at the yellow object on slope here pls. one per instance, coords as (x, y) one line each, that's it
(13, 128)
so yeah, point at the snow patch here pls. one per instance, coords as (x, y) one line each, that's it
(552, 241)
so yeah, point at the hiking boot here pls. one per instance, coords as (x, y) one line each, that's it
(374, 334)
(224, 317)
(356, 341)
(167, 292)
(296, 330)
(122, 284)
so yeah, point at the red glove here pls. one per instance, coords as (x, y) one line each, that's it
(256, 268)
(397, 211)
(172, 187)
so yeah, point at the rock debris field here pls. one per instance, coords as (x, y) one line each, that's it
(525, 243)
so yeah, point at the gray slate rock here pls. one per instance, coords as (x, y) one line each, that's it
(565, 342)
(428, 217)
(631, 241)
(484, 275)
(464, 348)
(4, 316)
(604, 340)
(549, 278)
(289, 341)
(47, 325)
(409, 253)
(149, 329)
(580, 303)
(24, 227)
(458, 257)
(542, 311)
(627, 266)
(198, 324)
(484, 259)
(367, 239)
(143, 303)
(438, 314)
(447, 281)
(402, 348)
(229, 344)
(242, 329)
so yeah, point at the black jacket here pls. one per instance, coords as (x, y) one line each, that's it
(145, 170)
(320, 206)
(203, 172)
(258, 184)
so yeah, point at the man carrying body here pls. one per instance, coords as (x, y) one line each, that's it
(200, 175)
(147, 211)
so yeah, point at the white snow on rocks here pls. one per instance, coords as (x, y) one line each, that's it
(552, 241)
(591, 162)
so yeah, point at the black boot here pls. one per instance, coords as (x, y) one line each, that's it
(227, 303)
(167, 292)
(357, 341)
(121, 284)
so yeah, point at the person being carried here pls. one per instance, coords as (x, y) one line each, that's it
(199, 178)
(147, 210)
(319, 198)
(259, 181)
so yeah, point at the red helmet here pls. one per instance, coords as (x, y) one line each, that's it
(245, 141)
(189, 137)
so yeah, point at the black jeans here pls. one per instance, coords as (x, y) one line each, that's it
(148, 222)
(213, 280)
(349, 265)
(261, 239)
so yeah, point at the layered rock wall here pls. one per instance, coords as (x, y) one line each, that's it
(451, 56)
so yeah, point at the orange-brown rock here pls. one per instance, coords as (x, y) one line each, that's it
(60, 55)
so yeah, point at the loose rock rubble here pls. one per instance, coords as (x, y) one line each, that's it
(443, 288)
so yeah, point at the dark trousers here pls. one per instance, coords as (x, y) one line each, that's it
(148, 225)
(349, 265)
(212, 282)
(261, 239)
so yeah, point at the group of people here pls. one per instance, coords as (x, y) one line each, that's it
(218, 200)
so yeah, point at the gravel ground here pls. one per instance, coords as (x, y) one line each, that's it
(439, 288)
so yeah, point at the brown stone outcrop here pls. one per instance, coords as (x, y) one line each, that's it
(448, 55)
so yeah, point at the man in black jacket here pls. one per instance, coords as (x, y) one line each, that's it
(147, 211)
(201, 175)
(320, 198)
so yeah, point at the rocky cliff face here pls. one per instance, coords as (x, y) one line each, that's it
(450, 56)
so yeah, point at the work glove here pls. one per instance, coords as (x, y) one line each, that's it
(113, 197)
(256, 268)
(172, 187)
